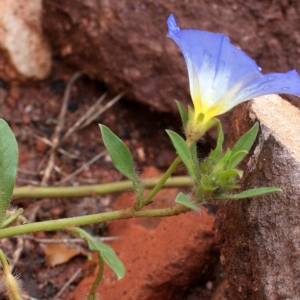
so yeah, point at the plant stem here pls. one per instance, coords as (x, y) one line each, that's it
(162, 181)
(4, 262)
(93, 290)
(11, 284)
(63, 224)
(97, 189)
(82, 234)
(12, 218)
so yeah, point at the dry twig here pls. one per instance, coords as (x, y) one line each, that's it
(60, 150)
(58, 129)
(102, 110)
(26, 297)
(17, 253)
(66, 285)
(83, 119)
(82, 168)
(68, 240)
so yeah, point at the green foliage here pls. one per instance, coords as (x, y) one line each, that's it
(218, 173)
(236, 158)
(222, 162)
(185, 154)
(109, 257)
(183, 114)
(106, 252)
(8, 166)
(195, 159)
(190, 113)
(122, 159)
(245, 142)
(184, 200)
(252, 193)
(219, 147)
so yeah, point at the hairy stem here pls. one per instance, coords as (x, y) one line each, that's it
(63, 224)
(78, 232)
(97, 189)
(12, 218)
(162, 181)
(4, 262)
(93, 290)
(11, 284)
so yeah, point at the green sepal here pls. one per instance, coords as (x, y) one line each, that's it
(221, 178)
(252, 193)
(207, 183)
(207, 188)
(190, 113)
(246, 141)
(184, 200)
(203, 192)
(184, 152)
(122, 159)
(8, 166)
(183, 113)
(236, 158)
(219, 147)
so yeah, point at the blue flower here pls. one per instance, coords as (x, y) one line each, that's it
(222, 76)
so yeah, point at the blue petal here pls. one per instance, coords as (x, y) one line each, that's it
(223, 75)
(172, 26)
(217, 64)
(273, 83)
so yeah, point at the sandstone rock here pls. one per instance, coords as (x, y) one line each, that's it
(24, 51)
(124, 43)
(162, 256)
(259, 237)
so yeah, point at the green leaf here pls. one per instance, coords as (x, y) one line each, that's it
(184, 200)
(190, 112)
(119, 153)
(236, 158)
(221, 178)
(252, 193)
(223, 162)
(218, 150)
(246, 141)
(196, 163)
(109, 257)
(106, 252)
(121, 158)
(8, 166)
(183, 113)
(183, 151)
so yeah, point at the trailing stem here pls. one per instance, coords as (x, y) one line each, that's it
(63, 224)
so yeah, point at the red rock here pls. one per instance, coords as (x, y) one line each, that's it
(162, 256)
